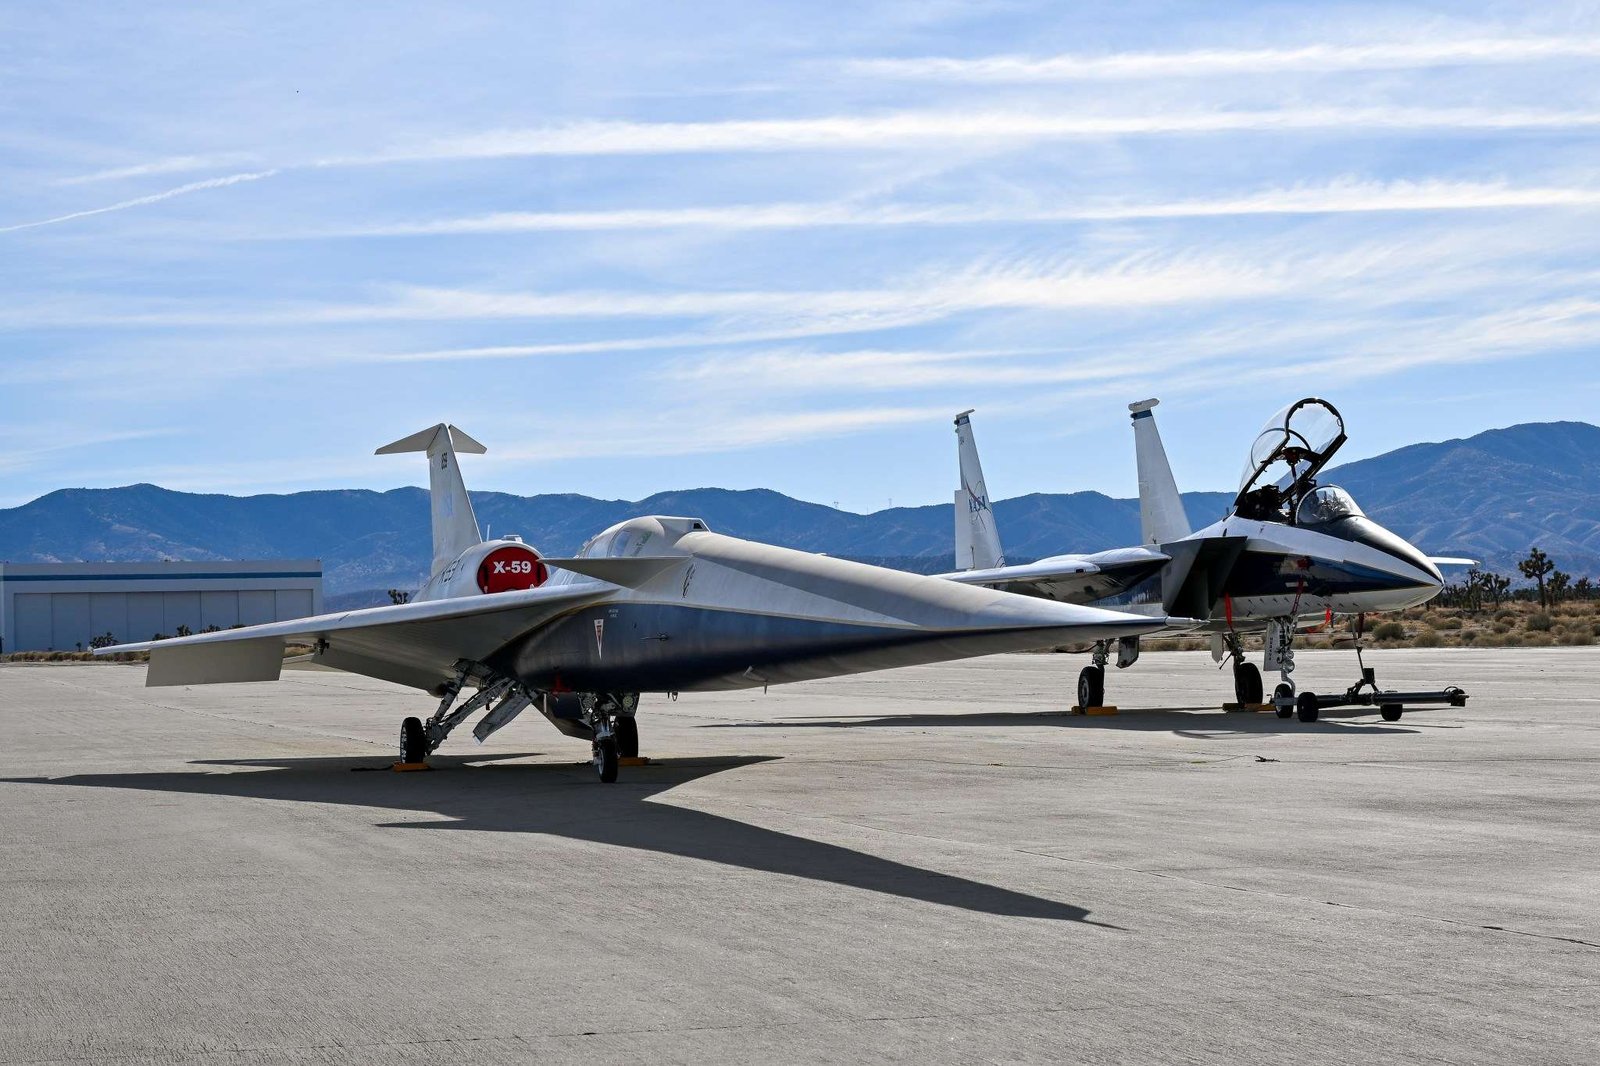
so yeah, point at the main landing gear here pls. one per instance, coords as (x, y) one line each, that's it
(1092, 678)
(1246, 676)
(605, 719)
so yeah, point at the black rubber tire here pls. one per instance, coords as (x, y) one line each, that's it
(1306, 707)
(605, 759)
(1092, 687)
(627, 733)
(1247, 683)
(413, 741)
(1285, 712)
(1391, 712)
(1283, 691)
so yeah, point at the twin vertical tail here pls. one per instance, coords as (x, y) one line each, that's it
(977, 538)
(1161, 515)
(455, 527)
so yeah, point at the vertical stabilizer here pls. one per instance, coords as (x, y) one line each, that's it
(977, 538)
(455, 527)
(1161, 515)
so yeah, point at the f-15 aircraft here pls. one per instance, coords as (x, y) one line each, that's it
(1289, 553)
(654, 604)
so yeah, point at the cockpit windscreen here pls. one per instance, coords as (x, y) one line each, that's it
(1327, 503)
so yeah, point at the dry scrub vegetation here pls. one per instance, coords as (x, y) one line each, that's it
(1574, 623)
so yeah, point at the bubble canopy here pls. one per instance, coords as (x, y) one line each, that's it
(1327, 503)
(1291, 448)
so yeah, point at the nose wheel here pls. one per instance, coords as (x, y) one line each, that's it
(609, 716)
(606, 759)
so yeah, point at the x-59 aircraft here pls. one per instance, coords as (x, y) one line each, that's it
(655, 604)
(1290, 553)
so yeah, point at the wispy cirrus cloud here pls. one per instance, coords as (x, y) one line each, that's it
(914, 128)
(1369, 347)
(140, 201)
(1457, 260)
(899, 130)
(1345, 196)
(1134, 281)
(37, 445)
(179, 164)
(1310, 58)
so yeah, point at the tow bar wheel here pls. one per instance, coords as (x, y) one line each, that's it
(1306, 707)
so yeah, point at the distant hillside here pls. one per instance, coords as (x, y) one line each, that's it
(1489, 496)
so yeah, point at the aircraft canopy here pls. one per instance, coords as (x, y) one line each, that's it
(1291, 448)
(1327, 503)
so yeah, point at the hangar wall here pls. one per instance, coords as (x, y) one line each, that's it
(64, 606)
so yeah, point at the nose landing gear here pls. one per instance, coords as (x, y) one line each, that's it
(616, 733)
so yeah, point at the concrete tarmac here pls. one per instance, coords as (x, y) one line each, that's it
(928, 865)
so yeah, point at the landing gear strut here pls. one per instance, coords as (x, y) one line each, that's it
(1092, 679)
(1280, 657)
(616, 735)
(1246, 678)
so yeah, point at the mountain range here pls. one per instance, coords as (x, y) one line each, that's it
(1490, 496)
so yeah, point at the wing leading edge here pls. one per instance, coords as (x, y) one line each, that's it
(1071, 578)
(415, 644)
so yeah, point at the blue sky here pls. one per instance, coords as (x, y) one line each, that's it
(636, 247)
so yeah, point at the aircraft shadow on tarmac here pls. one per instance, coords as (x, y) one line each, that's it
(566, 801)
(1180, 721)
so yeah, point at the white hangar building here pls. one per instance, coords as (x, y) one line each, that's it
(65, 606)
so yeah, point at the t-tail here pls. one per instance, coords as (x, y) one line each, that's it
(977, 538)
(1162, 518)
(455, 527)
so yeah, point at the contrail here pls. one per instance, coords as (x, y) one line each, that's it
(194, 186)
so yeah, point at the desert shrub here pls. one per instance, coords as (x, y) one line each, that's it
(1505, 618)
(1539, 622)
(1468, 636)
(1427, 638)
(1502, 628)
(1538, 640)
(1389, 631)
(1449, 624)
(1509, 639)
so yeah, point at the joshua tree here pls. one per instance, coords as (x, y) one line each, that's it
(1537, 568)
(399, 596)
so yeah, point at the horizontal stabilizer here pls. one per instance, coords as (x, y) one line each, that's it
(213, 664)
(423, 441)
(1449, 560)
(628, 572)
